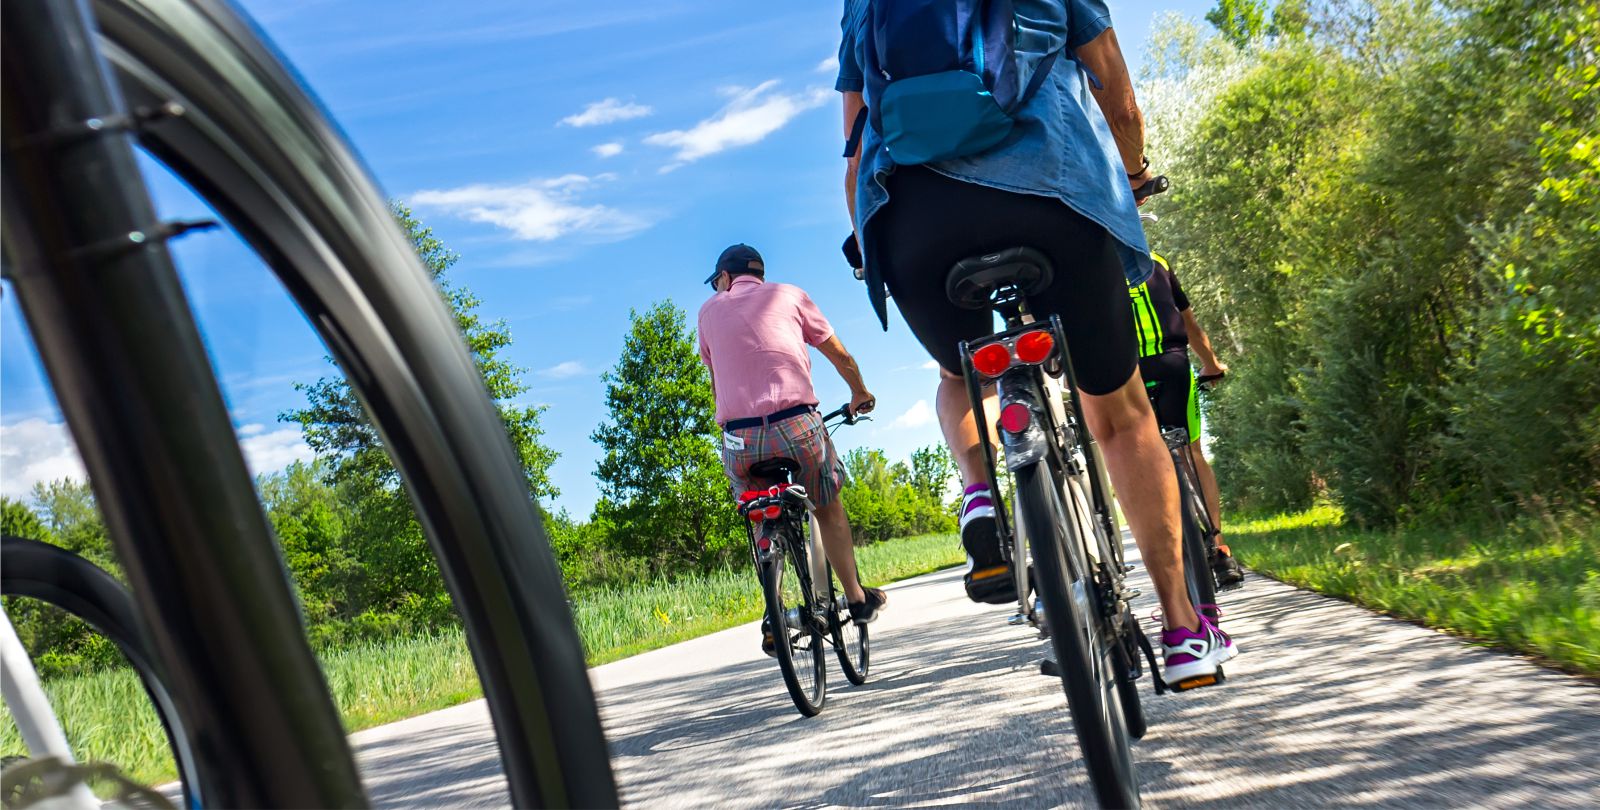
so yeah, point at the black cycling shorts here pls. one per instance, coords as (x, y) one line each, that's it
(1173, 395)
(932, 221)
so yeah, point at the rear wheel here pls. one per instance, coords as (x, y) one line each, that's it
(849, 639)
(1086, 657)
(1125, 655)
(800, 652)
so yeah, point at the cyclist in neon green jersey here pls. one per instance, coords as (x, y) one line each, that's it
(1166, 328)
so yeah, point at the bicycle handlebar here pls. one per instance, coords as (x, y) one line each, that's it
(843, 413)
(1156, 185)
(1206, 382)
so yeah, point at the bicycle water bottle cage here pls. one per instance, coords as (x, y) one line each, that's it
(993, 279)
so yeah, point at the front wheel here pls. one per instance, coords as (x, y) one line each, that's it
(1087, 658)
(800, 652)
(849, 639)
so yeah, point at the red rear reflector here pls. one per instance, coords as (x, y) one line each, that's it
(1034, 347)
(991, 360)
(1015, 417)
(774, 511)
(754, 515)
(764, 543)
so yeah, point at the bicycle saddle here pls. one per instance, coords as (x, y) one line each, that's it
(780, 469)
(972, 282)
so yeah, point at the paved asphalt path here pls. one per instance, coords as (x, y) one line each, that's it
(1329, 704)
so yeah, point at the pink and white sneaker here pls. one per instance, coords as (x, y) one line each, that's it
(1191, 657)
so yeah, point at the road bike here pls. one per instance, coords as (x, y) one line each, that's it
(193, 83)
(1075, 592)
(805, 611)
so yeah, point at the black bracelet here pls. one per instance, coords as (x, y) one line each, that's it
(1142, 169)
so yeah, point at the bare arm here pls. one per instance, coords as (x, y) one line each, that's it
(861, 400)
(853, 104)
(1201, 344)
(1103, 56)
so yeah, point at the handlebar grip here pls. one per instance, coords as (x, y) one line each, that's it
(1206, 382)
(1156, 185)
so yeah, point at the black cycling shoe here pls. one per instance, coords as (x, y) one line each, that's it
(988, 578)
(1226, 569)
(867, 612)
(769, 642)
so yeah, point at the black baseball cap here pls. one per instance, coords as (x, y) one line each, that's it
(738, 259)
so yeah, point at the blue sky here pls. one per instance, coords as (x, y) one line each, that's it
(583, 160)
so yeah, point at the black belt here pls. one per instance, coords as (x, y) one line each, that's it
(776, 416)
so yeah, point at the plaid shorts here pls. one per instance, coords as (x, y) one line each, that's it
(802, 438)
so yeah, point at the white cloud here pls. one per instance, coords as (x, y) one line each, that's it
(538, 211)
(269, 452)
(750, 115)
(606, 150)
(931, 365)
(918, 415)
(562, 371)
(828, 65)
(607, 111)
(34, 450)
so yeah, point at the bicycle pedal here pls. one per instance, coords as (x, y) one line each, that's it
(1050, 668)
(1198, 681)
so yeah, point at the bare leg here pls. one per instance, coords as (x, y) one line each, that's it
(1141, 470)
(1208, 487)
(955, 418)
(836, 541)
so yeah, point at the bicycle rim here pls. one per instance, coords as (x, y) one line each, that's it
(1087, 660)
(799, 652)
(850, 640)
(262, 153)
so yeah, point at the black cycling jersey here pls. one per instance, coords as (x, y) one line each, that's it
(1158, 305)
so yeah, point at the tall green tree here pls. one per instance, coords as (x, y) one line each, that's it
(379, 558)
(335, 424)
(663, 489)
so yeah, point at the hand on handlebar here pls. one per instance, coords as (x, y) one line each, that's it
(861, 403)
(1208, 379)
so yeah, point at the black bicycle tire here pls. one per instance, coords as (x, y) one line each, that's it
(772, 592)
(297, 192)
(56, 576)
(1102, 737)
(1126, 659)
(839, 619)
(1197, 574)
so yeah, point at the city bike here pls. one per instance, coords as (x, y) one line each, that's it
(1062, 517)
(805, 611)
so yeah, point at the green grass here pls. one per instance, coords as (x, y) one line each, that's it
(109, 719)
(1533, 586)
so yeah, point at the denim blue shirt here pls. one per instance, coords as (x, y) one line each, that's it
(1060, 147)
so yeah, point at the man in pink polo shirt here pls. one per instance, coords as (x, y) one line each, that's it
(755, 337)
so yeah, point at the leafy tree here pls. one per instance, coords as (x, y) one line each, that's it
(361, 555)
(1239, 21)
(17, 520)
(335, 424)
(883, 500)
(932, 468)
(660, 475)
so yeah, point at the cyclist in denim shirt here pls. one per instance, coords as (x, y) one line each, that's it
(1061, 182)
